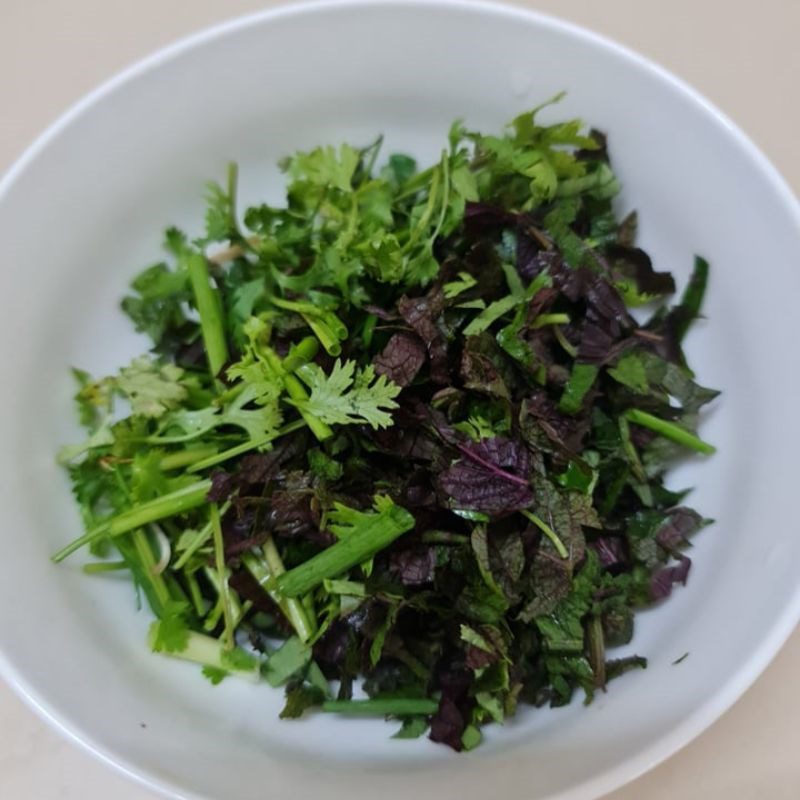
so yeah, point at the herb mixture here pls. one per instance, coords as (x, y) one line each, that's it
(400, 445)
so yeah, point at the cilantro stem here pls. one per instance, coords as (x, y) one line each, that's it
(231, 452)
(597, 650)
(547, 531)
(167, 505)
(145, 553)
(184, 458)
(396, 706)
(100, 567)
(691, 299)
(445, 165)
(303, 352)
(195, 594)
(198, 540)
(568, 348)
(550, 319)
(233, 181)
(359, 545)
(296, 391)
(425, 217)
(209, 307)
(238, 610)
(415, 184)
(630, 450)
(156, 589)
(327, 327)
(326, 336)
(245, 447)
(351, 588)
(669, 430)
(205, 650)
(270, 566)
(444, 537)
(373, 151)
(369, 329)
(222, 573)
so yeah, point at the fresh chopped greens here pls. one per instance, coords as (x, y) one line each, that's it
(402, 436)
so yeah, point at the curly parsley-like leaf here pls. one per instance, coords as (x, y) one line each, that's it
(152, 389)
(347, 396)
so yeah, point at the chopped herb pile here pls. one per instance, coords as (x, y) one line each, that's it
(400, 444)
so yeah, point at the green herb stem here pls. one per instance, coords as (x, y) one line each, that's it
(550, 319)
(246, 447)
(669, 430)
(222, 574)
(238, 610)
(303, 352)
(145, 552)
(547, 531)
(296, 391)
(566, 346)
(629, 450)
(358, 546)
(101, 567)
(350, 588)
(296, 611)
(264, 569)
(396, 706)
(425, 217)
(195, 595)
(198, 540)
(209, 307)
(233, 190)
(692, 298)
(209, 652)
(327, 327)
(155, 586)
(167, 505)
(597, 650)
(185, 458)
(325, 335)
(369, 329)
(445, 165)
(444, 537)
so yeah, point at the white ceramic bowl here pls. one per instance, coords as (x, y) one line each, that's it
(83, 210)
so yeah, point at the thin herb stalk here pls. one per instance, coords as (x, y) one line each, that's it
(395, 706)
(209, 307)
(547, 531)
(167, 505)
(222, 575)
(669, 430)
(264, 569)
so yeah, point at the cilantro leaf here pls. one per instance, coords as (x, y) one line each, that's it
(152, 389)
(347, 396)
(170, 634)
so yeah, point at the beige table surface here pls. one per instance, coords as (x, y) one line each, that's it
(744, 56)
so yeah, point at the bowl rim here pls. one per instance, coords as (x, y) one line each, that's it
(775, 635)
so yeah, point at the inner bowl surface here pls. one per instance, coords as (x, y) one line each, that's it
(83, 211)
